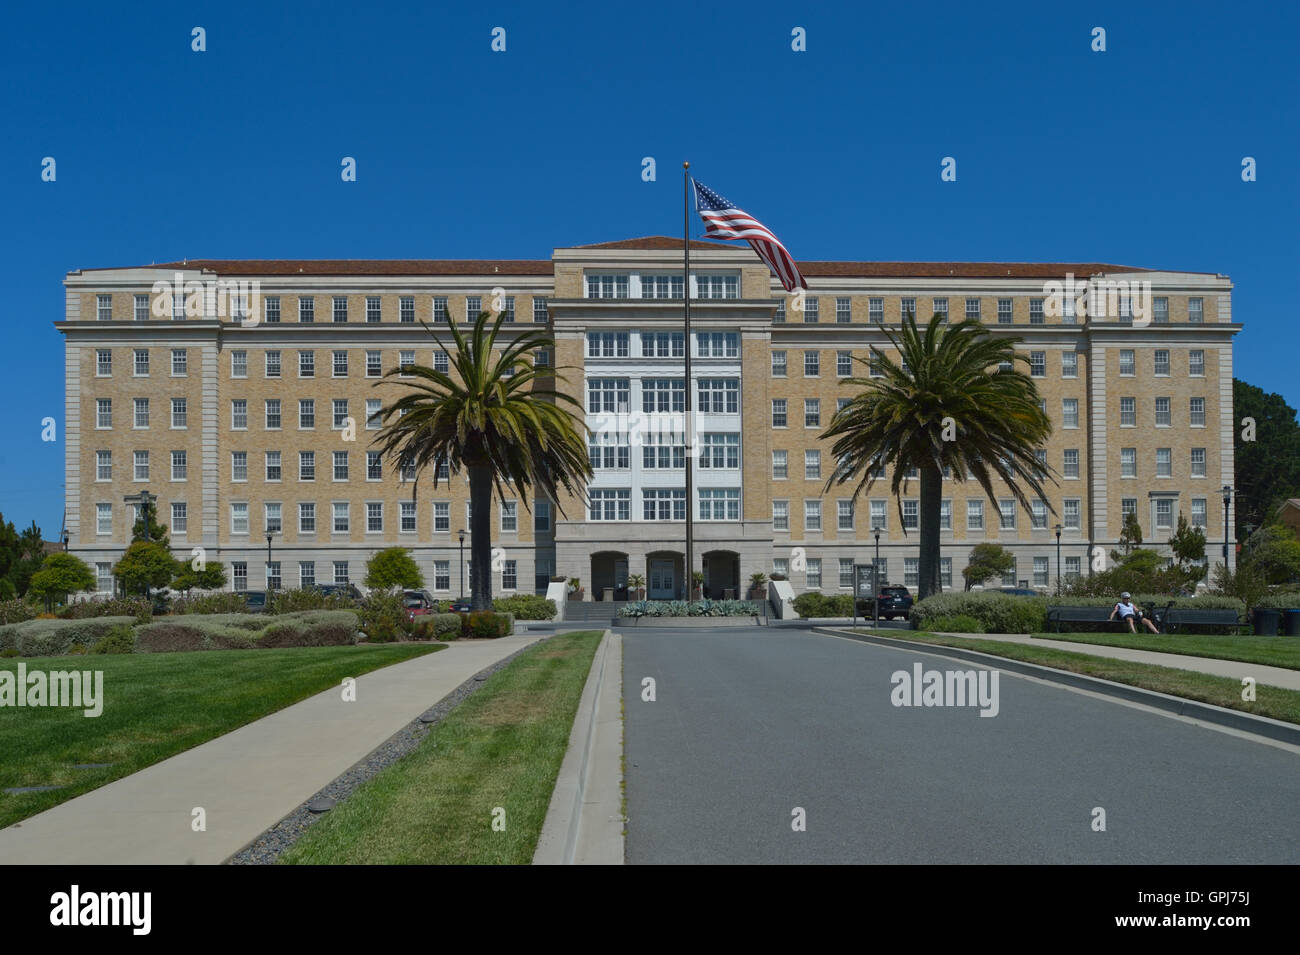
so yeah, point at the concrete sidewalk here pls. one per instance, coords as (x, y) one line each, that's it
(1262, 674)
(247, 780)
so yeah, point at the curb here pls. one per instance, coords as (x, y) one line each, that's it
(1177, 705)
(584, 822)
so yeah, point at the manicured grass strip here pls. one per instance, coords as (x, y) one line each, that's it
(1271, 701)
(1272, 651)
(501, 748)
(157, 705)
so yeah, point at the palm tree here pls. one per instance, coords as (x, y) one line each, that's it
(494, 414)
(956, 402)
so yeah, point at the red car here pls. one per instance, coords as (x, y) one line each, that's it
(418, 603)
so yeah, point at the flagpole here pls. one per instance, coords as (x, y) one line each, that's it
(690, 444)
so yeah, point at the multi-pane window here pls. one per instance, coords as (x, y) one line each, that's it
(609, 451)
(272, 364)
(911, 571)
(718, 395)
(141, 308)
(843, 310)
(441, 314)
(612, 504)
(778, 412)
(663, 504)
(780, 515)
(542, 516)
(1196, 310)
(1198, 462)
(1160, 309)
(1161, 357)
(846, 573)
(104, 308)
(778, 364)
(340, 308)
(663, 344)
(1128, 462)
(373, 310)
(374, 363)
(780, 466)
(271, 309)
(974, 515)
(663, 395)
(720, 451)
(374, 517)
(239, 575)
(509, 575)
(374, 407)
(272, 414)
(374, 466)
(945, 573)
(1036, 311)
(1038, 514)
(540, 314)
(811, 309)
(1128, 412)
(1196, 412)
(812, 465)
(879, 516)
(340, 364)
(1007, 513)
(843, 363)
(1069, 412)
(1127, 506)
(441, 516)
(1038, 364)
(342, 517)
(844, 515)
(653, 456)
(778, 317)
(1009, 575)
(1070, 513)
(140, 407)
(103, 518)
(179, 468)
(812, 412)
(813, 573)
(1162, 413)
(717, 344)
(661, 286)
(104, 362)
(341, 572)
(180, 413)
(340, 409)
(719, 504)
(405, 360)
(306, 364)
(607, 344)
(941, 308)
(973, 308)
(273, 468)
(141, 362)
(1198, 512)
(607, 286)
(272, 517)
(907, 306)
(1196, 363)
(812, 515)
(340, 465)
(945, 514)
(608, 394)
(239, 465)
(509, 517)
(812, 364)
(1005, 313)
(1071, 466)
(239, 517)
(104, 465)
(180, 518)
(1164, 513)
(103, 412)
(406, 517)
(239, 363)
(1127, 365)
(911, 514)
(876, 309)
(1069, 364)
(306, 413)
(306, 465)
(306, 309)
(1041, 570)
(306, 573)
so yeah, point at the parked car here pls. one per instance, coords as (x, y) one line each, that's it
(1020, 592)
(462, 605)
(893, 601)
(256, 600)
(418, 603)
(339, 590)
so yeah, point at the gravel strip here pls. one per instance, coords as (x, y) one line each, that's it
(266, 848)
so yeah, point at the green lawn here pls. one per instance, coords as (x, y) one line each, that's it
(157, 705)
(501, 748)
(1272, 651)
(1275, 702)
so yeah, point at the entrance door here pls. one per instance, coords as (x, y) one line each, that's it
(662, 585)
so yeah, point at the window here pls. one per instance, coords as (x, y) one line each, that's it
(663, 394)
(941, 308)
(974, 515)
(272, 364)
(911, 571)
(340, 364)
(876, 310)
(1198, 512)
(271, 309)
(780, 467)
(945, 573)
(140, 460)
(1071, 468)
(373, 408)
(104, 308)
(1128, 462)
(1040, 571)
(1196, 413)
(306, 364)
(1007, 514)
(239, 363)
(340, 465)
(911, 515)
(306, 414)
(306, 309)
(273, 414)
(272, 518)
(141, 308)
(239, 465)
(239, 576)
(720, 451)
(812, 515)
(1196, 310)
(610, 505)
(104, 362)
(878, 516)
(663, 344)
(609, 394)
(179, 469)
(509, 575)
(340, 312)
(718, 395)
(179, 413)
(1127, 506)
(239, 517)
(607, 286)
(1040, 455)
(811, 310)
(1160, 309)
(405, 359)
(441, 315)
(1069, 364)
(1069, 412)
(1004, 311)
(373, 310)
(374, 517)
(778, 364)
(1126, 363)
(540, 316)
(1038, 364)
(663, 504)
(1128, 412)
(778, 317)
(780, 515)
(104, 465)
(1162, 362)
(907, 306)
(778, 413)
(1198, 462)
(1070, 511)
(1196, 363)
(341, 572)
(812, 366)
(340, 408)
(814, 573)
(141, 362)
(812, 412)
(103, 518)
(653, 456)
(441, 516)
(1164, 513)
(509, 517)
(442, 575)
(406, 517)
(1162, 413)
(1038, 514)
(877, 364)
(1009, 577)
(843, 363)
(812, 465)
(973, 308)
(141, 409)
(306, 465)
(542, 516)
(717, 344)
(844, 515)
(607, 344)
(843, 310)
(273, 469)
(719, 504)
(846, 573)
(374, 466)
(1035, 311)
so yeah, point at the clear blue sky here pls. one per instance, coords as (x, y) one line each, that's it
(1130, 156)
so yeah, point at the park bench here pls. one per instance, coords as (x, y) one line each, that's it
(1060, 615)
(1197, 617)
(1168, 618)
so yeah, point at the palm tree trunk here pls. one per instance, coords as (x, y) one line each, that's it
(931, 505)
(480, 528)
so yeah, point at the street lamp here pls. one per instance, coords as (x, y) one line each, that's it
(462, 563)
(1058, 557)
(66, 538)
(875, 598)
(1227, 499)
(268, 560)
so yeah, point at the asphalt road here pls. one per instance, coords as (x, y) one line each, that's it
(749, 724)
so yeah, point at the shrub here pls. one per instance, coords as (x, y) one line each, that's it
(284, 634)
(1285, 601)
(9, 652)
(119, 639)
(384, 617)
(15, 611)
(814, 604)
(170, 638)
(137, 607)
(490, 624)
(211, 603)
(700, 608)
(526, 607)
(294, 601)
(995, 612)
(50, 638)
(958, 624)
(446, 626)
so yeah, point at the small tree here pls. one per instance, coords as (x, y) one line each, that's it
(987, 561)
(158, 533)
(61, 574)
(393, 567)
(1188, 545)
(1130, 536)
(145, 564)
(1274, 552)
(1246, 583)
(211, 577)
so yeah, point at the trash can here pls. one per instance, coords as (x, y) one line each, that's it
(1291, 622)
(1266, 622)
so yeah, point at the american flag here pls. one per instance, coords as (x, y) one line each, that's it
(722, 220)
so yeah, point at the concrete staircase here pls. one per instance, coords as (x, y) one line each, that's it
(602, 612)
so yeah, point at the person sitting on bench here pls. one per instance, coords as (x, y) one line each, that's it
(1127, 612)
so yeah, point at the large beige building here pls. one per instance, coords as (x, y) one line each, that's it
(248, 414)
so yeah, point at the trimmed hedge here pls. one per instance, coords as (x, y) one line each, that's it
(698, 608)
(136, 607)
(16, 611)
(958, 624)
(1287, 601)
(446, 626)
(52, 638)
(995, 612)
(526, 607)
(120, 639)
(814, 604)
(210, 604)
(486, 624)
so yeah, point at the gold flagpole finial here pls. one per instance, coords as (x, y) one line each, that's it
(686, 165)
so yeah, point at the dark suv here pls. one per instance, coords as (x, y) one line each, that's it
(894, 602)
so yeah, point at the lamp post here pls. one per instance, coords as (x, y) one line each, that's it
(1227, 499)
(462, 563)
(1058, 557)
(66, 538)
(875, 598)
(268, 560)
